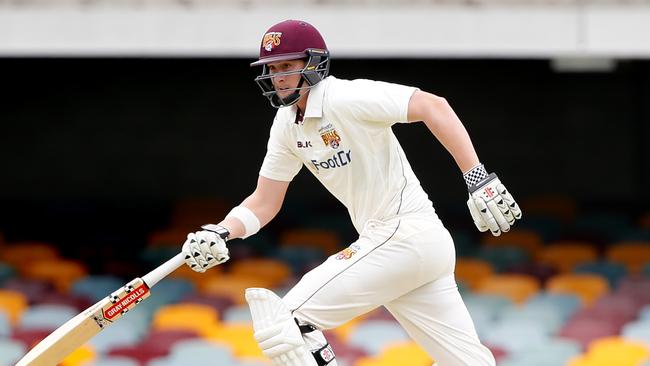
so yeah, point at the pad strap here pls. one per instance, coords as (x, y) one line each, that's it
(323, 355)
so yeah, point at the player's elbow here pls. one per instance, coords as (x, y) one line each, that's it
(437, 102)
(424, 106)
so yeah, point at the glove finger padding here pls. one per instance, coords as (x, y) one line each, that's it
(487, 216)
(213, 248)
(192, 253)
(505, 210)
(219, 249)
(476, 216)
(204, 247)
(510, 201)
(499, 217)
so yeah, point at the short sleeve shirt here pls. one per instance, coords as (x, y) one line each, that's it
(345, 139)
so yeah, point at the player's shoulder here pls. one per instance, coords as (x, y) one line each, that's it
(343, 85)
(284, 117)
(355, 89)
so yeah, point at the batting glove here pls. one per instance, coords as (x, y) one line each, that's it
(490, 204)
(207, 248)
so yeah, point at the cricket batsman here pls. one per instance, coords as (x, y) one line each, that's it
(404, 258)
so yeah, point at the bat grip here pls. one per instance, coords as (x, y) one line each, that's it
(163, 270)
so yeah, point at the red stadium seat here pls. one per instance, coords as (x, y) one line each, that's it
(584, 331)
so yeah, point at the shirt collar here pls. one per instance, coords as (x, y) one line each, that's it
(315, 100)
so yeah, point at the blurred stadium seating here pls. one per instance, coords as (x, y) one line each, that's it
(593, 308)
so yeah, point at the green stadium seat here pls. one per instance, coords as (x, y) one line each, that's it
(644, 313)
(113, 361)
(608, 225)
(556, 351)
(465, 243)
(47, 316)
(548, 227)
(374, 335)
(485, 309)
(638, 331)
(503, 257)
(96, 287)
(301, 259)
(6, 272)
(5, 324)
(517, 335)
(11, 351)
(546, 316)
(196, 352)
(613, 272)
(565, 304)
(237, 314)
(129, 331)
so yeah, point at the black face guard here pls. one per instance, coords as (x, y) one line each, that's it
(316, 69)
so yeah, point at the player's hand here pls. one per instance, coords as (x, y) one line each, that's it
(492, 206)
(205, 249)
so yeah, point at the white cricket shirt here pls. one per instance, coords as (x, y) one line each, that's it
(346, 141)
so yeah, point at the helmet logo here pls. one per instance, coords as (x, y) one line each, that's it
(271, 40)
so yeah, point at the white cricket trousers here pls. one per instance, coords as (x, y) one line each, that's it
(407, 265)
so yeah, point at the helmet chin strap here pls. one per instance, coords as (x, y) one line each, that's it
(293, 97)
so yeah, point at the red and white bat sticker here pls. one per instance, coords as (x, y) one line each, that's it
(125, 302)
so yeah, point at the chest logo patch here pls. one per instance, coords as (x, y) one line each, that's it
(329, 135)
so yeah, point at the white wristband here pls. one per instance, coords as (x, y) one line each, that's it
(247, 217)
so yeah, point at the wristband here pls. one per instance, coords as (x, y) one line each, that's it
(475, 175)
(247, 217)
(218, 229)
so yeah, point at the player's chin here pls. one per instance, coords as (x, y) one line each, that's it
(284, 93)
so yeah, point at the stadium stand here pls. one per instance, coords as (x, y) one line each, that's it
(585, 307)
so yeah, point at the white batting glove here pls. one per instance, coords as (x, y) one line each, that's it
(490, 204)
(207, 248)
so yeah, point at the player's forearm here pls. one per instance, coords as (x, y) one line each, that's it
(264, 204)
(445, 125)
(264, 213)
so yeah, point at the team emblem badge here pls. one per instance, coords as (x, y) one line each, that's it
(271, 40)
(348, 252)
(330, 137)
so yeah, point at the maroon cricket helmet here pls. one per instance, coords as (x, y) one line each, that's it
(289, 40)
(292, 40)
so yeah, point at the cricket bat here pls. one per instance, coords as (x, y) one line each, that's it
(78, 330)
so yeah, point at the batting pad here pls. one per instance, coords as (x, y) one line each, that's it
(276, 331)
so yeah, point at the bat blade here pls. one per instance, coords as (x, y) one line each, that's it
(80, 329)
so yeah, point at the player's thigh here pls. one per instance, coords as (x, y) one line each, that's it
(386, 262)
(436, 317)
(354, 281)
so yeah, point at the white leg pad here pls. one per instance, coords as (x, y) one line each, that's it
(276, 331)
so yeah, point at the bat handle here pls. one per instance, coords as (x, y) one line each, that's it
(163, 270)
